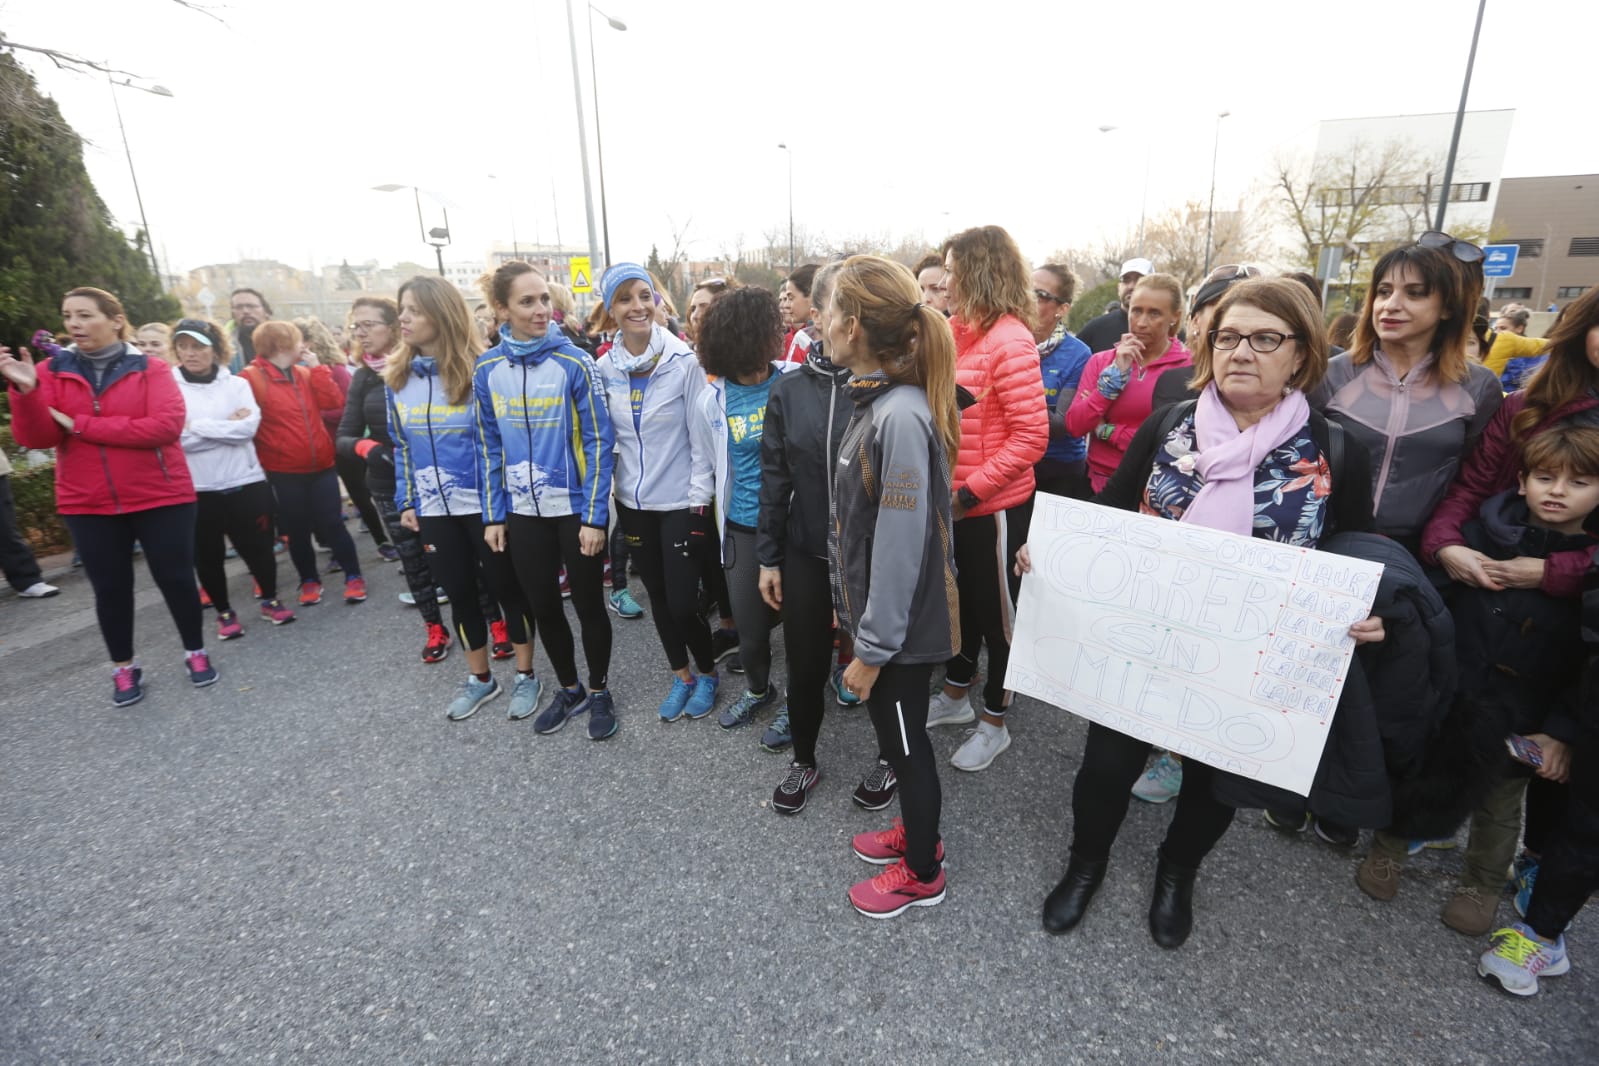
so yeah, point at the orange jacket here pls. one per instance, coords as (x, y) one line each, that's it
(293, 438)
(1006, 431)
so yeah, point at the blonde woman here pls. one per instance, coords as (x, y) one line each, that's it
(155, 340)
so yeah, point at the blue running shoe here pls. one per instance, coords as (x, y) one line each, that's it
(602, 716)
(844, 696)
(566, 705)
(1526, 878)
(126, 688)
(524, 697)
(703, 701)
(474, 694)
(778, 736)
(625, 606)
(672, 706)
(743, 710)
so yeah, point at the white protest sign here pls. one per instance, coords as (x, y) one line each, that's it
(1230, 650)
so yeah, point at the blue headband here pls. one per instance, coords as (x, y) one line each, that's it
(617, 275)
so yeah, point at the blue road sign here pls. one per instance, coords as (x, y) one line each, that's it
(1499, 260)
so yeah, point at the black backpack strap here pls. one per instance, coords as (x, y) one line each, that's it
(1173, 417)
(1335, 449)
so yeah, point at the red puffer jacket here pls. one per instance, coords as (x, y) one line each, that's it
(122, 452)
(1006, 431)
(293, 438)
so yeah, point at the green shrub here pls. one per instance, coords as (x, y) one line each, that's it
(35, 492)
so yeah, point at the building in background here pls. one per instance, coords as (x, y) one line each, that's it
(1555, 221)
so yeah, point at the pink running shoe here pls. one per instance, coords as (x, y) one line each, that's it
(274, 611)
(201, 672)
(228, 627)
(886, 847)
(894, 891)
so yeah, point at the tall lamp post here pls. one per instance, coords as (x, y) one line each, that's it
(599, 143)
(790, 152)
(1460, 118)
(582, 133)
(438, 236)
(1143, 204)
(516, 249)
(1210, 213)
(155, 90)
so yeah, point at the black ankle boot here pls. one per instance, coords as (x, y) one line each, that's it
(1066, 905)
(1171, 912)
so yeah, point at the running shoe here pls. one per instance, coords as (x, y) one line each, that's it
(228, 627)
(944, 709)
(703, 699)
(126, 689)
(500, 641)
(1161, 782)
(676, 700)
(887, 846)
(602, 715)
(255, 588)
(355, 590)
(39, 591)
(877, 788)
(409, 598)
(779, 736)
(438, 645)
(1440, 844)
(474, 694)
(742, 712)
(333, 567)
(274, 611)
(625, 606)
(566, 706)
(566, 586)
(1526, 879)
(310, 593)
(1519, 957)
(1288, 821)
(983, 745)
(895, 890)
(845, 697)
(724, 642)
(388, 553)
(201, 672)
(790, 796)
(524, 697)
(1336, 833)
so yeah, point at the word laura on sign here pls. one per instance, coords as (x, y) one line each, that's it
(1226, 649)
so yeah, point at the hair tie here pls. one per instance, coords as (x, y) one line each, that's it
(917, 307)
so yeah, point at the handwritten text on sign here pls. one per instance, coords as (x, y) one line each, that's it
(1226, 649)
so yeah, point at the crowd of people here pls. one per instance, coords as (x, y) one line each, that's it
(750, 462)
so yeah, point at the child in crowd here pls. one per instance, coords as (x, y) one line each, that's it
(1519, 650)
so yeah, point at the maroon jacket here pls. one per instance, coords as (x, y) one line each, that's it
(1490, 469)
(122, 452)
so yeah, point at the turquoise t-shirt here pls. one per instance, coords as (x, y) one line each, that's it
(746, 419)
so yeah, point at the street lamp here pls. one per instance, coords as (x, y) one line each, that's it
(582, 133)
(438, 236)
(1143, 204)
(1460, 118)
(1210, 214)
(599, 143)
(790, 152)
(154, 90)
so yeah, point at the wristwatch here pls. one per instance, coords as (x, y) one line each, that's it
(967, 497)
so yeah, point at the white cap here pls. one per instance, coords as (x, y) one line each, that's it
(1137, 266)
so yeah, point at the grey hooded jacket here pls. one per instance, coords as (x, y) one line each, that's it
(891, 490)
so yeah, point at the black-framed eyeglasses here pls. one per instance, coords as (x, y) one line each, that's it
(1264, 341)
(1464, 251)
(1046, 297)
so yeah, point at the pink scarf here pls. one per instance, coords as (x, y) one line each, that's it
(375, 363)
(1227, 458)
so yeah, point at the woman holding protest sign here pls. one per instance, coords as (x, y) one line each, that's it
(1249, 457)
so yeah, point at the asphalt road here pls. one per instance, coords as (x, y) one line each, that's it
(306, 863)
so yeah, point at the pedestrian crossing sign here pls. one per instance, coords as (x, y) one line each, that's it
(581, 274)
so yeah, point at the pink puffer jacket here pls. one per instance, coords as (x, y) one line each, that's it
(1006, 431)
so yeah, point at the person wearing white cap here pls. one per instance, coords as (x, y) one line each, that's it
(1103, 332)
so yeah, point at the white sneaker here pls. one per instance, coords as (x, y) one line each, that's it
(982, 747)
(944, 709)
(1162, 782)
(39, 591)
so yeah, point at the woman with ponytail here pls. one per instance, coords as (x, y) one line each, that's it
(892, 489)
(439, 492)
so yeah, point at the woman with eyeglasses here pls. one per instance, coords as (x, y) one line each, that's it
(1002, 435)
(1248, 456)
(1117, 389)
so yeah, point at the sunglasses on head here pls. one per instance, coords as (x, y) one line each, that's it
(1464, 251)
(712, 283)
(1232, 272)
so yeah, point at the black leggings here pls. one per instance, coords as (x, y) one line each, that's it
(670, 567)
(105, 544)
(309, 503)
(808, 638)
(898, 705)
(16, 557)
(352, 471)
(463, 563)
(1569, 871)
(538, 547)
(413, 557)
(985, 608)
(618, 556)
(1111, 763)
(244, 516)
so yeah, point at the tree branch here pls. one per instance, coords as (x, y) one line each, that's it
(65, 60)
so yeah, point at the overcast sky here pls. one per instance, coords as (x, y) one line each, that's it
(903, 117)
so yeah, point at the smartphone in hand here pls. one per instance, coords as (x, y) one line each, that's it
(1524, 751)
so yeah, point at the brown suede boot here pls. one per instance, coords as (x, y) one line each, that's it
(1378, 876)
(1471, 910)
